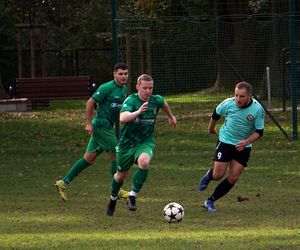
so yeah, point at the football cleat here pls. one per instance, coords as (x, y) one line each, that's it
(210, 206)
(111, 207)
(131, 203)
(204, 181)
(61, 188)
(123, 194)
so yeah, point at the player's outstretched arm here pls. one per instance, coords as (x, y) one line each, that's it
(127, 116)
(89, 109)
(172, 119)
(211, 127)
(242, 144)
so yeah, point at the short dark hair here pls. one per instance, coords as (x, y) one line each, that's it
(144, 77)
(246, 85)
(120, 65)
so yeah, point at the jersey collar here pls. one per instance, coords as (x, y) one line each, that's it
(248, 105)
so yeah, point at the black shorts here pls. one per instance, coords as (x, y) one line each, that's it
(227, 152)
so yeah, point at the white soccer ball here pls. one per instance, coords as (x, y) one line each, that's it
(173, 212)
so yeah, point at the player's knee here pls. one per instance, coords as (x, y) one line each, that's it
(218, 176)
(90, 161)
(144, 161)
(112, 156)
(232, 179)
(144, 164)
(218, 173)
(90, 158)
(120, 176)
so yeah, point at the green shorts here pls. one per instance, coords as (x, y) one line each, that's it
(127, 156)
(102, 140)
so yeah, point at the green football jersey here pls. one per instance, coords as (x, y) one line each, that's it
(110, 97)
(141, 129)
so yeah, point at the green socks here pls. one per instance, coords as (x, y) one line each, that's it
(78, 166)
(115, 187)
(113, 167)
(139, 178)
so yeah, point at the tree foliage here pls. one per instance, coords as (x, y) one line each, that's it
(7, 22)
(87, 23)
(165, 8)
(70, 24)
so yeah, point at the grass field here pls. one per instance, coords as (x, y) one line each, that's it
(37, 148)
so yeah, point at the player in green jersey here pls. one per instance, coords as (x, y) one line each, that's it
(109, 97)
(136, 144)
(244, 123)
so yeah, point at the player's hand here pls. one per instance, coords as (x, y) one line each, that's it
(173, 122)
(241, 145)
(212, 132)
(89, 129)
(143, 108)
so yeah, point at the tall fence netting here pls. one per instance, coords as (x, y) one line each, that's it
(198, 62)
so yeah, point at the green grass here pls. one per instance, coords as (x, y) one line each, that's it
(38, 148)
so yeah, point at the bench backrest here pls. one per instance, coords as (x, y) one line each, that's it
(54, 88)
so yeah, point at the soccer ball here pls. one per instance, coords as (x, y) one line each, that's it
(173, 212)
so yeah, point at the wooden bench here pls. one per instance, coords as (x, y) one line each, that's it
(43, 89)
